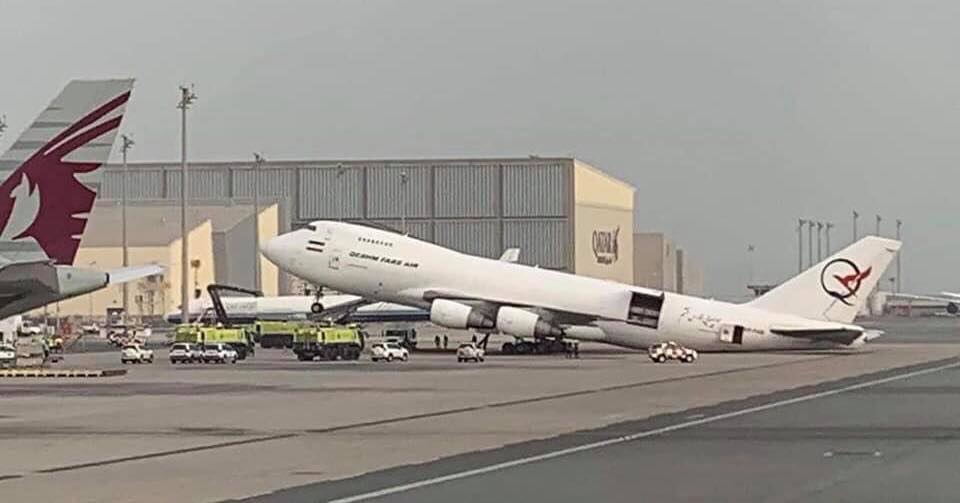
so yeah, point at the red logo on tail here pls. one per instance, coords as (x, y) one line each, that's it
(847, 274)
(852, 281)
(63, 200)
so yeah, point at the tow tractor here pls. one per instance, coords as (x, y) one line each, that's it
(221, 330)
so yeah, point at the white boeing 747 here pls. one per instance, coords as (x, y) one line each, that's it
(812, 310)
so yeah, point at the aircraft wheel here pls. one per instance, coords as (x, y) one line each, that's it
(316, 308)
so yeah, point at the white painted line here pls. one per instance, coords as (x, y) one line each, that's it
(628, 438)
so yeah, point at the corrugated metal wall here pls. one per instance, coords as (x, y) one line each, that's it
(542, 242)
(476, 237)
(328, 192)
(142, 183)
(537, 190)
(387, 197)
(476, 206)
(467, 190)
(271, 182)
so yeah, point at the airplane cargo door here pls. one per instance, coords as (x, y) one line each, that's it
(644, 310)
(731, 334)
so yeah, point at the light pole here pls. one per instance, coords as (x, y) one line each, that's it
(90, 295)
(800, 245)
(855, 217)
(403, 201)
(257, 163)
(187, 97)
(829, 226)
(819, 241)
(899, 225)
(810, 225)
(340, 191)
(127, 143)
(879, 219)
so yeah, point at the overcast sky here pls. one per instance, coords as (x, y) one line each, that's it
(732, 118)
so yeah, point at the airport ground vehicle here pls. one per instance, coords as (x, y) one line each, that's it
(220, 330)
(8, 356)
(135, 353)
(237, 337)
(664, 351)
(219, 353)
(406, 337)
(328, 343)
(276, 334)
(539, 345)
(470, 351)
(388, 351)
(184, 352)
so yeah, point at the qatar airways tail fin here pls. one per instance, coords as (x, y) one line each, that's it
(837, 288)
(46, 199)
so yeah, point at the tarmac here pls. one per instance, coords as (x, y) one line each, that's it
(876, 424)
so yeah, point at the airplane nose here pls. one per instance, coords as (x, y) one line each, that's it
(271, 248)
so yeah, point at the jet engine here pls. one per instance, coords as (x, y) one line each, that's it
(523, 323)
(452, 314)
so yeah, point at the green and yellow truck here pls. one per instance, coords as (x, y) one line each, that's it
(238, 337)
(328, 342)
(276, 334)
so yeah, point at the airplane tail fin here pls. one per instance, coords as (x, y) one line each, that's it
(837, 288)
(46, 199)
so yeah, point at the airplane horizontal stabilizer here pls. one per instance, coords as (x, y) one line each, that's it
(842, 335)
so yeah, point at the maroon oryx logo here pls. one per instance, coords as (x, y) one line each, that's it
(841, 279)
(44, 200)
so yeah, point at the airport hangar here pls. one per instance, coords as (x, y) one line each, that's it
(561, 212)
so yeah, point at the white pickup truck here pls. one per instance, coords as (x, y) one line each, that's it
(135, 353)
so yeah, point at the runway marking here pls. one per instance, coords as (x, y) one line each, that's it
(165, 453)
(635, 436)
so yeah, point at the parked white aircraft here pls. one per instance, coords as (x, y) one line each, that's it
(288, 307)
(949, 300)
(813, 310)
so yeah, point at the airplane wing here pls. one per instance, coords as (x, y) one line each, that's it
(839, 334)
(126, 274)
(552, 314)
